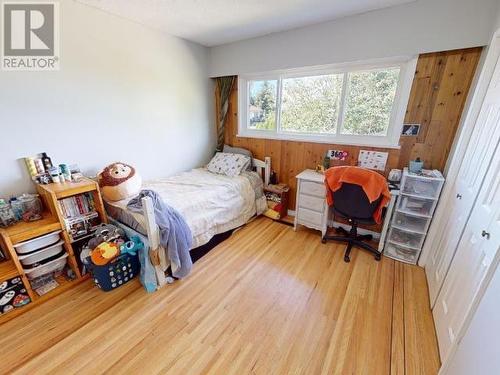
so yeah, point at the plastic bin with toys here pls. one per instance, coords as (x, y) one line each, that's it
(112, 257)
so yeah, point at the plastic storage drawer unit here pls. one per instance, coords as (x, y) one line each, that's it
(410, 223)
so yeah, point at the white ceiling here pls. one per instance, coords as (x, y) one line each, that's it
(215, 22)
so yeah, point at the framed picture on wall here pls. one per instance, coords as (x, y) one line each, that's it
(410, 129)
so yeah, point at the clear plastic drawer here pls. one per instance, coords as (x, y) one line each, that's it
(416, 206)
(411, 223)
(406, 239)
(401, 253)
(425, 188)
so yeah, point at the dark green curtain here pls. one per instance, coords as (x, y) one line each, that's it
(222, 91)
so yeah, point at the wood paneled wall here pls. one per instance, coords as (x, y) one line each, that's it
(440, 87)
(438, 94)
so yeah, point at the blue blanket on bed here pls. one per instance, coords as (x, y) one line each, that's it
(175, 235)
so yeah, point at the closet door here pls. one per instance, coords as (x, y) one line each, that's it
(463, 193)
(474, 262)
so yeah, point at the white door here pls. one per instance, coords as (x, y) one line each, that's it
(465, 188)
(474, 262)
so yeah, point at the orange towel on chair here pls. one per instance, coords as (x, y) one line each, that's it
(374, 185)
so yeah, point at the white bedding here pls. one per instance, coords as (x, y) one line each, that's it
(210, 203)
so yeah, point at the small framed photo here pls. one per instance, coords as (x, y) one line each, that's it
(410, 129)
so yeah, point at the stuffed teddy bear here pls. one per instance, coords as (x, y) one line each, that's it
(119, 181)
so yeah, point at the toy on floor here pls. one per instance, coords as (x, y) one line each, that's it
(104, 253)
(105, 233)
(133, 246)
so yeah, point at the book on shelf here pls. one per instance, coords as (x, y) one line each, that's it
(80, 216)
(77, 205)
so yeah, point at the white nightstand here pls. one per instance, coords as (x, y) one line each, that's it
(311, 209)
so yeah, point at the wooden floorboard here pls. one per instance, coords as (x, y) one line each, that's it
(398, 323)
(266, 301)
(421, 351)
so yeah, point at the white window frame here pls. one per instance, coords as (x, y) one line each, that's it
(407, 66)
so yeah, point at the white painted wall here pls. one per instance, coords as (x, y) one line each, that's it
(409, 29)
(124, 92)
(497, 22)
(478, 352)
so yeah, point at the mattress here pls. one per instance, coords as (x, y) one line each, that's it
(210, 203)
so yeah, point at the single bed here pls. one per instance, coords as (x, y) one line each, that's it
(210, 204)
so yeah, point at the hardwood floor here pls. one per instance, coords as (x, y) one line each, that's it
(265, 301)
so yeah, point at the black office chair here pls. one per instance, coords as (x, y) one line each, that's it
(351, 203)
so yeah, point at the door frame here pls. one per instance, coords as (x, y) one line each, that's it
(472, 109)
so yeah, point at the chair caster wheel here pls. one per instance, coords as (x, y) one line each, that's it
(378, 257)
(323, 240)
(347, 259)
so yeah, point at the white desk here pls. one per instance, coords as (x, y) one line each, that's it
(312, 211)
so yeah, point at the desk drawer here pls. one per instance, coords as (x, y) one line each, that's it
(312, 188)
(312, 203)
(313, 217)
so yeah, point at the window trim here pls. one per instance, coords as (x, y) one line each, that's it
(407, 66)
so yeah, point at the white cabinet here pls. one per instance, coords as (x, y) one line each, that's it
(415, 206)
(461, 195)
(311, 207)
(466, 244)
(475, 260)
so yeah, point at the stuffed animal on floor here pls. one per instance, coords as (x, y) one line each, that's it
(119, 181)
(104, 253)
(131, 247)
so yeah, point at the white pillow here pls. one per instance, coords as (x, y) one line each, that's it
(239, 150)
(228, 164)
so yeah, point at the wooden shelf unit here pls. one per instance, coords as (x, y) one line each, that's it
(53, 220)
(8, 270)
(52, 193)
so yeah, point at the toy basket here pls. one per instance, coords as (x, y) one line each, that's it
(116, 273)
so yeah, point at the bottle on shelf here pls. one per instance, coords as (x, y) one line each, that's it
(47, 162)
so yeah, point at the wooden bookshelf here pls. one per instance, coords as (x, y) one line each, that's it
(23, 231)
(52, 220)
(53, 193)
(8, 270)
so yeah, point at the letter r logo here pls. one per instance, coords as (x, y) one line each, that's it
(28, 29)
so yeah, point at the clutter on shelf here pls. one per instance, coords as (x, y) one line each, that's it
(43, 171)
(277, 201)
(26, 207)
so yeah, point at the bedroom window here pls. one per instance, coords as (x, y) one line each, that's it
(262, 104)
(347, 104)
